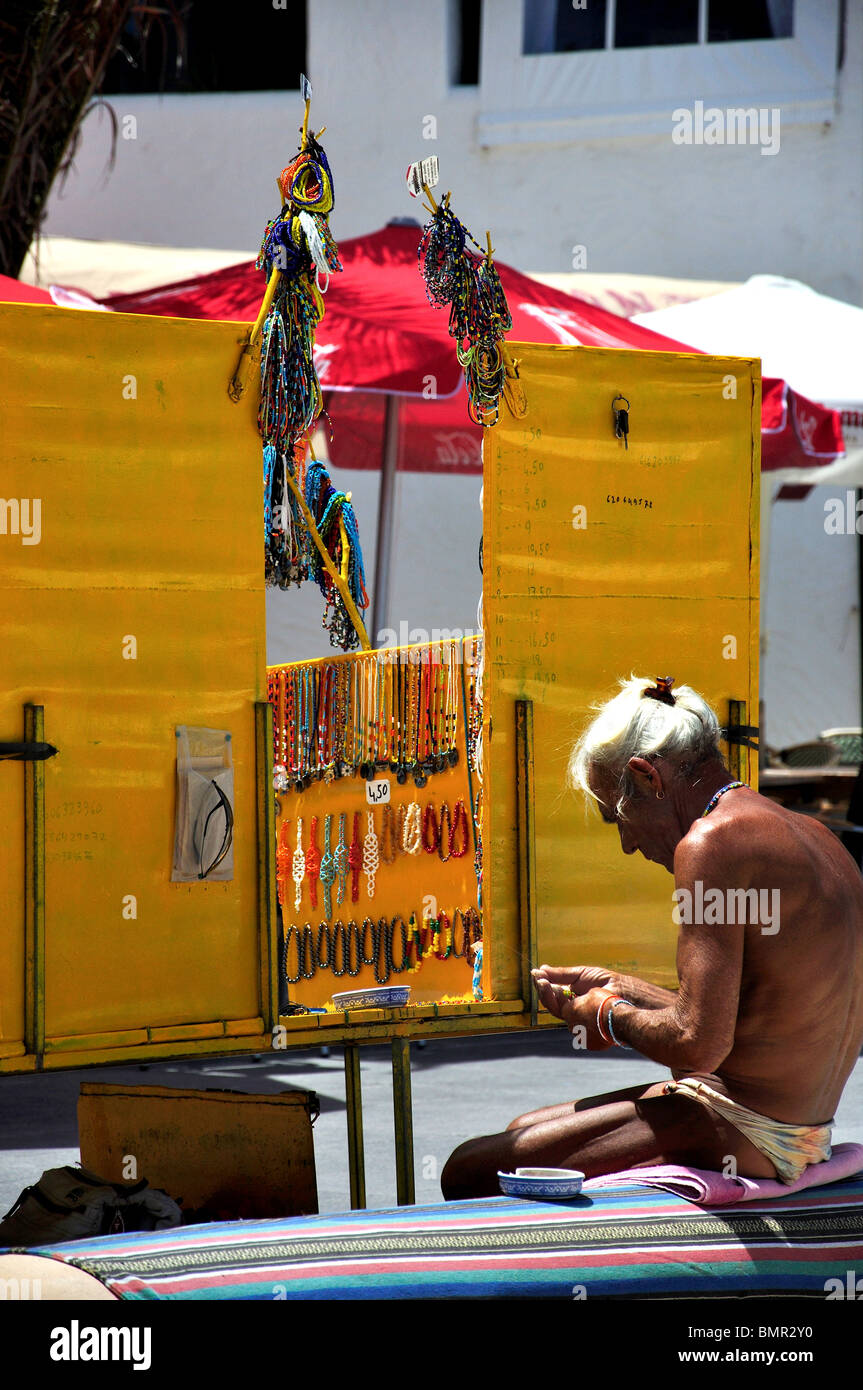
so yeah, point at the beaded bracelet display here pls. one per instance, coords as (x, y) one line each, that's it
(345, 949)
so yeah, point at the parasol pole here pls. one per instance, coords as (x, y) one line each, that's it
(386, 516)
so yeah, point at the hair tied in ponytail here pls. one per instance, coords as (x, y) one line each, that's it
(661, 691)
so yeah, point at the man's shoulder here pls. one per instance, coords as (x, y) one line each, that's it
(732, 846)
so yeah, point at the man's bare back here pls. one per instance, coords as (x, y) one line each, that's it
(769, 1011)
(799, 1024)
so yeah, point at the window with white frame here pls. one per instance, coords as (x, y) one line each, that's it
(573, 26)
(559, 70)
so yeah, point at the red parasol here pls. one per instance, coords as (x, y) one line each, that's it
(16, 292)
(380, 335)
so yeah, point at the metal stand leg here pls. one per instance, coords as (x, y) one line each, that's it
(354, 1103)
(403, 1122)
(34, 893)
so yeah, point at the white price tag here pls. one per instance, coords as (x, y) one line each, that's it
(378, 791)
(425, 171)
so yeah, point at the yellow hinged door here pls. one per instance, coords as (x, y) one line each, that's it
(134, 604)
(603, 560)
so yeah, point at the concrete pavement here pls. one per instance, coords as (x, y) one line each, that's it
(461, 1087)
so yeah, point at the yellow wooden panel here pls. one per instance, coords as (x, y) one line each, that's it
(148, 481)
(658, 575)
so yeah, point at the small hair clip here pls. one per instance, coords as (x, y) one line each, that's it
(661, 691)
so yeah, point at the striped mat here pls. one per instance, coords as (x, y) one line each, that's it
(631, 1242)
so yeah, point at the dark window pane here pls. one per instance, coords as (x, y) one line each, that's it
(579, 29)
(468, 28)
(555, 26)
(728, 20)
(640, 25)
(262, 49)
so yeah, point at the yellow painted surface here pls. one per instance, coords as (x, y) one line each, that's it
(149, 483)
(151, 527)
(413, 883)
(220, 1153)
(645, 590)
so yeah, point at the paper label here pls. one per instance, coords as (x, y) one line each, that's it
(378, 791)
(305, 87)
(425, 171)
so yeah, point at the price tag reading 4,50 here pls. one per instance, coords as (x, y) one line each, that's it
(378, 791)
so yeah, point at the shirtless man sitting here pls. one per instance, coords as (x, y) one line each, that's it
(767, 1022)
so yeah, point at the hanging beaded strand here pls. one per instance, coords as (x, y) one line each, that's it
(460, 821)
(370, 855)
(413, 829)
(328, 870)
(299, 867)
(313, 863)
(340, 861)
(283, 862)
(388, 836)
(355, 859)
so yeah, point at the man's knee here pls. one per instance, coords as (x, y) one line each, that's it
(453, 1179)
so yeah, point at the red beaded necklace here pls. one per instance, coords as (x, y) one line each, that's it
(313, 863)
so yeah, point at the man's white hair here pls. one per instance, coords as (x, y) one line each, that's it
(633, 726)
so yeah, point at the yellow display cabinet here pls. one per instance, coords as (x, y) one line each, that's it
(140, 609)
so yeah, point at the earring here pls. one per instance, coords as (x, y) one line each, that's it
(660, 796)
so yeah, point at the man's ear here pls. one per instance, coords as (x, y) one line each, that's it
(644, 775)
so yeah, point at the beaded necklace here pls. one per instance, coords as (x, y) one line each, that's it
(412, 842)
(445, 835)
(340, 861)
(328, 870)
(313, 863)
(388, 836)
(722, 790)
(283, 855)
(370, 855)
(459, 817)
(355, 859)
(430, 822)
(298, 868)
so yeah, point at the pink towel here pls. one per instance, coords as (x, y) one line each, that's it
(715, 1189)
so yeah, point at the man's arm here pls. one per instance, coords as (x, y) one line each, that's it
(695, 1030)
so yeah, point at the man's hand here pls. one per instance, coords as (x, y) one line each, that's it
(579, 1011)
(580, 978)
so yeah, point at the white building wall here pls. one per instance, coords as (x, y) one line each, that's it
(201, 169)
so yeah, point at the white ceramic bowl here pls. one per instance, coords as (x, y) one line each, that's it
(536, 1183)
(380, 997)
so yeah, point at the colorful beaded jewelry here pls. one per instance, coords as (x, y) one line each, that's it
(459, 819)
(722, 790)
(355, 859)
(283, 857)
(299, 866)
(340, 861)
(371, 858)
(430, 822)
(388, 844)
(445, 836)
(412, 842)
(328, 870)
(313, 863)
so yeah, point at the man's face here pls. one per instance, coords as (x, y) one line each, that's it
(643, 824)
